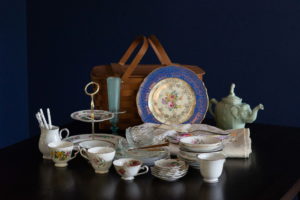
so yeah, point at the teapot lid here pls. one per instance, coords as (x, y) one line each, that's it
(231, 98)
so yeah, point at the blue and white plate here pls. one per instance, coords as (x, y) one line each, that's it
(172, 95)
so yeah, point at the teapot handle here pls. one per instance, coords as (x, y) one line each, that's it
(210, 109)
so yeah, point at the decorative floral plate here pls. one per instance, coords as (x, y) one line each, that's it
(172, 95)
(85, 115)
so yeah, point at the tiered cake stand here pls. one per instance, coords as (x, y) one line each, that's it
(92, 116)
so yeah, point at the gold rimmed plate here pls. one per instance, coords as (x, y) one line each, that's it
(172, 95)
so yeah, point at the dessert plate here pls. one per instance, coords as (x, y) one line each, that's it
(85, 115)
(218, 148)
(172, 95)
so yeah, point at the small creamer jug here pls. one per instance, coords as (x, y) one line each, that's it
(50, 135)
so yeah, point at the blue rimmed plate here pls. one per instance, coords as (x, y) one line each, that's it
(172, 95)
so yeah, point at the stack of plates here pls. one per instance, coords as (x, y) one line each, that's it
(193, 162)
(169, 169)
(191, 147)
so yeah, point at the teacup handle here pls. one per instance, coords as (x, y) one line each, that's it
(82, 152)
(74, 156)
(62, 130)
(146, 168)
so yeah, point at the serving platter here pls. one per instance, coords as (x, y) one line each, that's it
(172, 95)
(76, 139)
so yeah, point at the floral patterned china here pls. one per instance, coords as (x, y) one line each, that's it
(169, 163)
(76, 139)
(169, 169)
(194, 163)
(61, 152)
(128, 168)
(172, 95)
(175, 138)
(100, 158)
(99, 115)
(203, 143)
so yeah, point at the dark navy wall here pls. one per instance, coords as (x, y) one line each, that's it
(254, 44)
(13, 72)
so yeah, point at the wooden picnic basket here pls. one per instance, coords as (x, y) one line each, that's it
(132, 75)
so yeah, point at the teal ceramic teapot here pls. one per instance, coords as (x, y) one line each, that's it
(231, 113)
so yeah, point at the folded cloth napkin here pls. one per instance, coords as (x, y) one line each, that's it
(237, 143)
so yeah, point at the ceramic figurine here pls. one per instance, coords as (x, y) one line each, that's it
(231, 113)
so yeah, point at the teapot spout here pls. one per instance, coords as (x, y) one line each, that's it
(252, 117)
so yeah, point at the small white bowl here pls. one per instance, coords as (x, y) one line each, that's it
(200, 143)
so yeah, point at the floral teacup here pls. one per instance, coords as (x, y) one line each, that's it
(100, 158)
(128, 168)
(61, 152)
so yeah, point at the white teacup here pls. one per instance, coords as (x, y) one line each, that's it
(95, 143)
(61, 152)
(99, 157)
(128, 168)
(211, 166)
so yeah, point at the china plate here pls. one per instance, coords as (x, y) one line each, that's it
(76, 139)
(85, 115)
(172, 95)
(215, 149)
(192, 163)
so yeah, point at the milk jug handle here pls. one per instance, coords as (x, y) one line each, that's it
(62, 130)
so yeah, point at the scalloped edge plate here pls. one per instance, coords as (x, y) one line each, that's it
(172, 72)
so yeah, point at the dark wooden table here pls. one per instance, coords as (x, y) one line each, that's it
(271, 172)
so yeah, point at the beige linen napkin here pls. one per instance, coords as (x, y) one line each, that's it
(238, 143)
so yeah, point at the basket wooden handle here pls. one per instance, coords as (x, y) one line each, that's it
(155, 44)
(140, 54)
(159, 50)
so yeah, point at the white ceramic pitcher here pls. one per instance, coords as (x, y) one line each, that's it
(47, 136)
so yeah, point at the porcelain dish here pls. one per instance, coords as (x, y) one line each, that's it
(200, 143)
(85, 115)
(95, 143)
(76, 139)
(128, 168)
(172, 95)
(169, 169)
(194, 163)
